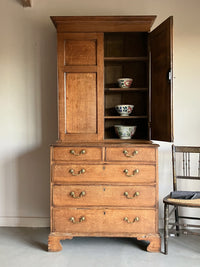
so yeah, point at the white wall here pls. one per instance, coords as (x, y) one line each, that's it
(28, 94)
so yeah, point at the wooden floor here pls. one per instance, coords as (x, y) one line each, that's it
(22, 247)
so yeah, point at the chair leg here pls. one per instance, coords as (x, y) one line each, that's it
(166, 221)
(177, 221)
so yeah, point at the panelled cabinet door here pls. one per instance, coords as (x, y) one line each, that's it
(80, 70)
(161, 82)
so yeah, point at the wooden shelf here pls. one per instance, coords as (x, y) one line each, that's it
(125, 117)
(125, 89)
(125, 58)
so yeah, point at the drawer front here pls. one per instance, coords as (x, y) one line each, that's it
(130, 154)
(89, 195)
(88, 220)
(76, 153)
(123, 173)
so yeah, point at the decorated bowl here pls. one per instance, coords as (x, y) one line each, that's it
(125, 132)
(124, 110)
(125, 82)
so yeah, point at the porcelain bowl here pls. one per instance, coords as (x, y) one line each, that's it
(125, 132)
(125, 82)
(124, 110)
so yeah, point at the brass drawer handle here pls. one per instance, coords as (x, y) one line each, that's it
(77, 154)
(134, 220)
(131, 175)
(126, 153)
(81, 219)
(76, 174)
(136, 194)
(82, 194)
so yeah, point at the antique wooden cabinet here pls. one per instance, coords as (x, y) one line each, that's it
(102, 185)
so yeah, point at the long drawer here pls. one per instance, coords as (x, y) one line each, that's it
(137, 154)
(76, 153)
(122, 173)
(91, 195)
(93, 220)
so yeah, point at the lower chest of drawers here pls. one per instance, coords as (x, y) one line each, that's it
(110, 192)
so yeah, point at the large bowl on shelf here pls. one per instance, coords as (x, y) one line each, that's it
(125, 132)
(124, 110)
(125, 82)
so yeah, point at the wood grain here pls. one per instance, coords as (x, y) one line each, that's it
(81, 116)
(103, 23)
(65, 153)
(103, 220)
(80, 76)
(133, 154)
(95, 195)
(103, 173)
(80, 52)
(161, 85)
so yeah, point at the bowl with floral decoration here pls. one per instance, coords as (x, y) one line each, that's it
(125, 132)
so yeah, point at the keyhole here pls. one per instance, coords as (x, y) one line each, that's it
(104, 189)
(104, 213)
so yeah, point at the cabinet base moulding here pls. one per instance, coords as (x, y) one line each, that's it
(154, 240)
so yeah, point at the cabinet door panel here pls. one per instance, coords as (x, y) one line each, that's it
(81, 103)
(80, 52)
(161, 82)
(80, 76)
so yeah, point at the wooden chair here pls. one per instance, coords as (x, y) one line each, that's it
(186, 165)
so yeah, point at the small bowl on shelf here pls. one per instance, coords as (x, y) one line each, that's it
(125, 82)
(124, 110)
(125, 132)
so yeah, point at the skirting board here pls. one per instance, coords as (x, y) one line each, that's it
(24, 221)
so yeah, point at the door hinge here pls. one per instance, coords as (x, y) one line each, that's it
(169, 75)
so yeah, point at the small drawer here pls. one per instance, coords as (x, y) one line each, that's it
(138, 154)
(100, 220)
(122, 173)
(91, 195)
(76, 153)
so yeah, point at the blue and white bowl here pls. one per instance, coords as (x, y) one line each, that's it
(124, 110)
(125, 132)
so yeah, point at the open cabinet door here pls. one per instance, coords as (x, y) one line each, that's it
(161, 82)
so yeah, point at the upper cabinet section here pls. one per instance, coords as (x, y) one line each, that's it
(94, 54)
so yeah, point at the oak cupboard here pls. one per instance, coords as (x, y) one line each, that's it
(102, 185)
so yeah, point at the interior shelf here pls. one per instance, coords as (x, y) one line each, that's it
(125, 117)
(125, 58)
(126, 89)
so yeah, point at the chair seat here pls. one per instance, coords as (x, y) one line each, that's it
(182, 202)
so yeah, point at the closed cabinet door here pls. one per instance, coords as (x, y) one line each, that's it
(80, 70)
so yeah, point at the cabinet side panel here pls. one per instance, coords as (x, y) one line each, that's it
(81, 103)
